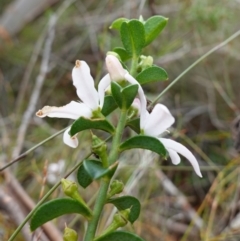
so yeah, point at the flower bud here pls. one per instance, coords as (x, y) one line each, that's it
(70, 189)
(99, 148)
(70, 235)
(146, 62)
(115, 188)
(120, 219)
(115, 69)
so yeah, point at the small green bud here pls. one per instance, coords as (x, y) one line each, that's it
(120, 219)
(125, 213)
(99, 148)
(96, 141)
(146, 62)
(70, 189)
(69, 235)
(115, 188)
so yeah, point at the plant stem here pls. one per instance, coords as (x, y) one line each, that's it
(101, 198)
(117, 137)
(133, 70)
(105, 181)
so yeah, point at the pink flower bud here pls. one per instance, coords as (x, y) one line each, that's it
(115, 69)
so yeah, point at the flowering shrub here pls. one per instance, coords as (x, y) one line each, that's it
(121, 88)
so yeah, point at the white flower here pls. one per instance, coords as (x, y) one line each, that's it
(118, 73)
(157, 122)
(86, 91)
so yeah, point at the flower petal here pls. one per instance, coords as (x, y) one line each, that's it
(175, 146)
(115, 69)
(73, 110)
(158, 121)
(71, 141)
(102, 86)
(84, 84)
(175, 158)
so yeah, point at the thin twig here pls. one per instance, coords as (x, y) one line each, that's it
(19, 194)
(23, 155)
(19, 228)
(232, 37)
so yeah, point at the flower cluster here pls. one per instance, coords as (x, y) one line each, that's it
(92, 100)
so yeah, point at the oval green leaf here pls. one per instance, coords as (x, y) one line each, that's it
(56, 208)
(116, 93)
(153, 27)
(117, 23)
(86, 124)
(84, 179)
(120, 236)
(95, 170)
(152, 74)
(134, 124)
(128, 95)
(122, 53)
(126, 202)
(92, 170)
(109, 105)
(133, 37)
(144, 142)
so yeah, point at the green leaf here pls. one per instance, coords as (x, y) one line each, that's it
(95, 169)
(124, 96)
(152, 74)
(116, 93)
(91, 170)
(85, 124)
(84, 179)
(117, 23)
(56, 208)
(144, 142)
(122, 53)
(128, 95)
(126, 202)
(134, 124)
(133, 37)
(109, 105)
(153, 27)
(120, 236)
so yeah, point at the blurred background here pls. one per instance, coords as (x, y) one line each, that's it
(39, 43)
